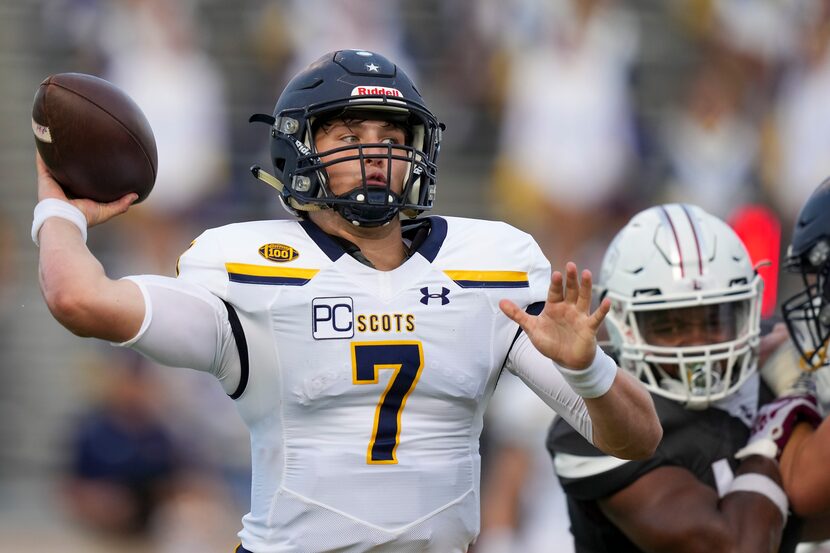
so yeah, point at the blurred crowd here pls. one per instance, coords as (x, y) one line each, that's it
(581, 111)
(564, 118)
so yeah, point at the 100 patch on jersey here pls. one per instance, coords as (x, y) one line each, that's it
(278, 252)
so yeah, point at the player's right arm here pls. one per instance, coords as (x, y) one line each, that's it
(668, 510)
(77, 290)
(173, 322)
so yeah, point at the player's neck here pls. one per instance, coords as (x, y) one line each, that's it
(382, 246)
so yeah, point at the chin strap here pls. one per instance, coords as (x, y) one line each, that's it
(276, 183)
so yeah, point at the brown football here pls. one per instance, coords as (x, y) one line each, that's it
(93, 138)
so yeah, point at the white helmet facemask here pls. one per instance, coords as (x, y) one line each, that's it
(685, 315)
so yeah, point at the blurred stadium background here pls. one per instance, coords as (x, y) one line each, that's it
(564, 118)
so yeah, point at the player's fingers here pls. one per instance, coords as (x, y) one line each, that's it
(120, 205)
(596, 318)
(583, 303)
(555, 291)
(47, 186)
(514, 312)
(571, 284)
(103, 212)
(40, 164)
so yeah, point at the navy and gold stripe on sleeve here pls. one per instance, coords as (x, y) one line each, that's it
(489, 279)
(263, 274)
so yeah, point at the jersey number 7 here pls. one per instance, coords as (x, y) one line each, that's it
(406, 359)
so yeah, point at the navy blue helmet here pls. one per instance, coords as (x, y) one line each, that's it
(361, 85)
(808, 312)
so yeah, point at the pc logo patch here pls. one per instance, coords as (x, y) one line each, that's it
(332, 318)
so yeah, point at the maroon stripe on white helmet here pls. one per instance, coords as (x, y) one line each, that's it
(665, 213)
(697, 240)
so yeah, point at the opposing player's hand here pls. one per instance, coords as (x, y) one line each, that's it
(96, 213)
(565, 330)
(775, 422)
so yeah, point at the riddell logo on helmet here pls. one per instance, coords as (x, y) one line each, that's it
(375, 91)
(303, 149)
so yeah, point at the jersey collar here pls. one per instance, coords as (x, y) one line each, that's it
(427, 247)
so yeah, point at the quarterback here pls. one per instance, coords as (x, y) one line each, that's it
(360, 348)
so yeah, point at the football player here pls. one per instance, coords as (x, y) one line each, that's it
(685, 319)
(360, 349)
(803, 449)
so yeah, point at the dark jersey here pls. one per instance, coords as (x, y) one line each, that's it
(703, 442)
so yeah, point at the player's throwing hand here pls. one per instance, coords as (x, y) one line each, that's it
(95, 212)
(565, 330)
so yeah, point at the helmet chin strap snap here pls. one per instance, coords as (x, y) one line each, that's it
(374, 207)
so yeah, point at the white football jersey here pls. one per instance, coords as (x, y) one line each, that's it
(365, 390)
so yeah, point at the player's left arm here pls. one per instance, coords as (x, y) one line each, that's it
(623, 419)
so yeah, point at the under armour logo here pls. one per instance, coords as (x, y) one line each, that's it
(443, 296)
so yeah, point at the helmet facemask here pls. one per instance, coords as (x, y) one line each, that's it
(807, 313)
(697, 354)
(366, 205)
(308, 186)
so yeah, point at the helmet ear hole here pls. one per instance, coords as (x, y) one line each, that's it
(279, 164)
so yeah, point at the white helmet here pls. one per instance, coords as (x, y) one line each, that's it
(685, 304)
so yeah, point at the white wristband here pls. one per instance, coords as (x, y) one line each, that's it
(764, 485)
(594, 380)
(53, 207)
